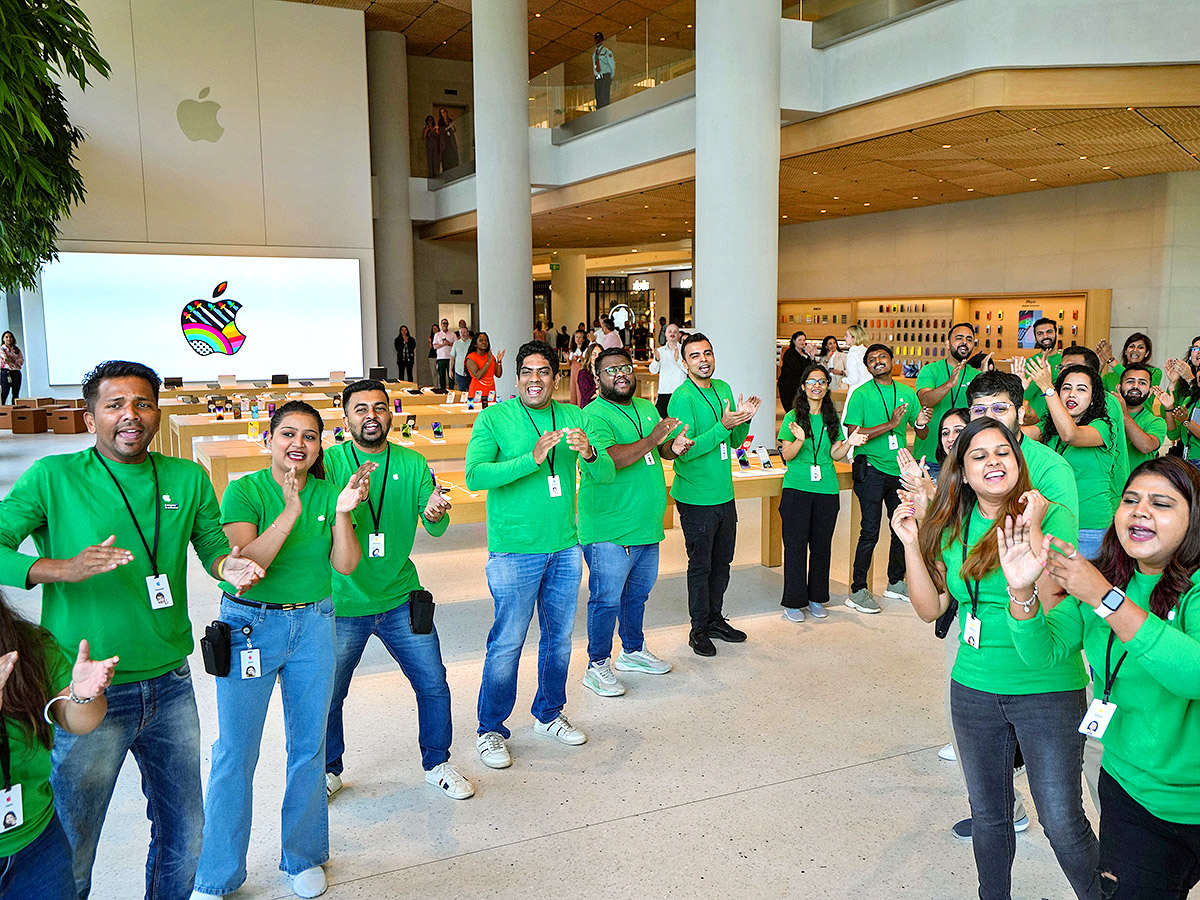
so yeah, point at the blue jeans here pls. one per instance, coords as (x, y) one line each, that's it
(297, 645)
(1090, 540)
(934, 467)
(41, 869)
(987, 727)
(420, 658)
(619, 583)
(156, 721)
(519, 582)
(462, 382)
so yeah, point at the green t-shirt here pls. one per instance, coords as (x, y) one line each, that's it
(1152, 744)
(69, 502)
(29, 762)
(622, 506)
(1119, 473)
(301, 571)
(1113, 379)
(815, 451)
(1153, 425)
(702, 476)
(934, 375)
(1093, 468)
(522, 516)
(872, 404)
(400, 490)
(1051, 475)
(996, 667)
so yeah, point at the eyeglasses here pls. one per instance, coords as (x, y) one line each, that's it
(997, 409)
(817, 382)
(613, 371)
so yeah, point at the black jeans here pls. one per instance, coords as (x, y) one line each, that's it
(1143, 857)
(10, 380)
(443, 374)
(709, 533)
(603, 87)
(808, 524)
(661, 404)
(404, 370)
(876, 492)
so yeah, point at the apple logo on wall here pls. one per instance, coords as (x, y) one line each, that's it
(209, 326)
(198, 119)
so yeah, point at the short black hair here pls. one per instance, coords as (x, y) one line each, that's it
(1044, 321)
(693, 338)
(117, 368)
(988, 384)
(358, 387)
(598, 36)
(1090, 359)
(958, 325)
(876, 347)
(610, 351)
(1137, 367)
(607, 322)
(538, 348)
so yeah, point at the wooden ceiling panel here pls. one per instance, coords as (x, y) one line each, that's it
(1112, 124)
(1038, 118)
(964, 131)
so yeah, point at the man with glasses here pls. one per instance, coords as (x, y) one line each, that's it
(524, 455)
(942, 386)
(622, 502)
(443, 345)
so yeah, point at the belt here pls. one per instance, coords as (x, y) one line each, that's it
(255, 603)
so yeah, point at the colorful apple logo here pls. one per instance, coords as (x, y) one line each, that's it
(198, 120)
(209, 326)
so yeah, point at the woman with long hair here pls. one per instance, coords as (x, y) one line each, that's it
(579, 347)
(485, 367)
(1183, 383)
(298, 527)
(811, 439)
(433, 147)
(406, 354)
(791, 366)
(996, 698)
(856, 366)
(1079, 429)
(586, 379)
(668, 365)
(449, 142)
(834, 361)
(1137, 351)
(1135, 612)
(433, 370)
(39, 689)
(11, 362)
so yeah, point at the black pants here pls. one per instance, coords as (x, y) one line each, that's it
(1147, 857)
(808, 524)
(709, 533)
(404, 370)
(874, 493)
(661, 404)
(10, 379)
(443, 376)
(603, 86)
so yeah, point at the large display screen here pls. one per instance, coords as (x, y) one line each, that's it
(198, 317)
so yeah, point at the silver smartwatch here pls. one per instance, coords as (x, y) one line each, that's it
(1110, 602)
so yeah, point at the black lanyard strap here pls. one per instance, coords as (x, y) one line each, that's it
(895, 399)
(1110, 674)
(376, 515)
(973, 594)
(957, 389)
(634, 419)
(538, 431)
(152, 553)
(4, 755)
(818, 433)
(708, 403)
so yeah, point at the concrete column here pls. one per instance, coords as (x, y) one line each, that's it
(568, 289)
(500, 31)
(387, 96)
(736, 247)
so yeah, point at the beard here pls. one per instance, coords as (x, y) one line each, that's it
(960, 353)
(362, 440)
(612, 394)
(1133, 397)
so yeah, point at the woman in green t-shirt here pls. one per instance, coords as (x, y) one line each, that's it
(1137, 351)
(295, 525)
(810, 440)
(35, 857)
(1136, 614)
(996, 699)
(1183, 381)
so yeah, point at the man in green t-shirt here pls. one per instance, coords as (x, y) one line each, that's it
(112, 525)
(523, 453)
(375, 598)
(1144, 431)
(622, 503)
(892, 407)
(1045, 338)
(703, 489)
(942, 386)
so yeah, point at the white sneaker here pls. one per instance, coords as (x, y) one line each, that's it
(817, 610)
(793, 615)
(493, 752)
(947, 753)
(600, 679)
(310, 883)
(451, 781)
(200, 895)
(561, 730)
(641, 661)
(333, 784)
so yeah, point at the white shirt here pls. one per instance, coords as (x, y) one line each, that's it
(459, 354)
(669, 367)
(612, 339)
(856, 368)
(443, 352)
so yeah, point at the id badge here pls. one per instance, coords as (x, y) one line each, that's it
(893, 442)
(650, 458)
(250, 664)
(12, 811)
(814, 473)
(725, 452)
(375, 544)
(555, 482)
(1098, 716)
(159, 590)
(971, 629)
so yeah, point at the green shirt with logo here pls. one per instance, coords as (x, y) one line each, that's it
(703, 476)
(816, 451)
(1153, 425)
(873, 404)
(1093, 468)
(933, 375)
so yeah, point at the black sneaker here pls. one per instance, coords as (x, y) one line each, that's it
(720, 628)
(701, 643)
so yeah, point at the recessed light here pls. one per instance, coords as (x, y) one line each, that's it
(1033, 179)
(969, 190)
(837, 198)
(662, 38)
(916, 198)
(1083, 157)
(866, 204)
(537, 15)
(1129, 109)
(824, 210)
(1106, 167)
(783, 217)
(945, 146)
(645, 207)
(663, 234)
(634, 250)
(1033, 129)
(816, 173)
(689, 26)
(589, 218)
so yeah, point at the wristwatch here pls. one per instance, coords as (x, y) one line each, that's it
(1110, 602)
(1047, 392)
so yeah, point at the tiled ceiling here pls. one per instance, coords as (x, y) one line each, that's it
(981, 155)
(558, 29)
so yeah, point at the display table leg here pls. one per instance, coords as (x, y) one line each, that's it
(772, 532)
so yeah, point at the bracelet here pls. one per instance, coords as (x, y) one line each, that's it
(75, 698)
(46, 709)
(1026, 605)
(221, 568)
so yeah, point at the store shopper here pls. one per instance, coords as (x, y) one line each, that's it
(11, 362)
(703, 489)
(882, 410)
(443, 343)
(406, 351)
(296, 525)
(525, 454)
(484, 366)
(668, 366)
(834, 361)
(997, 698)
(458, 359)
(856, 366)
(792, 363)
(622, 503)
(942, 386)
(811, 440)
(1144, 431)
(1135, 612)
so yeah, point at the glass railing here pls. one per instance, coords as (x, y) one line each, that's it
(838, 20)
(631, 61)
(444, 148)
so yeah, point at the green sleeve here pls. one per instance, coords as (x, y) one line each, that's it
(683, 408)
(1155, 426)
(59, 667)
(600, 434)
(484, 471)
(1051, 638)
(785, 432)
(1169, 655)
(424, 491)
(238, 506)
(21, 513)
(207, 537)
(927, 378)
(856, 411)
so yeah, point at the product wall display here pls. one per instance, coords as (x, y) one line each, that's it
(915, 329)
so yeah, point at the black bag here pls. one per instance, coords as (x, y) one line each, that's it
(858, 468)
(214, 646)
(942, 626)
(420, 612)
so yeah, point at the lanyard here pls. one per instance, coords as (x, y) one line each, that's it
(375, 516)
(709, 402)
(957, 389)
(152, 553)
(634, 419)
(550, 455)
(4, 755)
(1110, 674)
(895, 399)
(974, 594)
(818, 433)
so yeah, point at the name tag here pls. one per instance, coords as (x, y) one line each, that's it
(814, 473)
(893, 442)
(251, 667)
(725, 451)
(158, 588)
(1099, 714)
(12, 811)
(375, 544)
(650, 458)
(971, 630)
(555, 482)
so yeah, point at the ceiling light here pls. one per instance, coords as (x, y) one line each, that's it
(866, 204)
(784, 217)
(645, 207)
(1129, 109)
(689, 26)
(816, 173)
(970, 189)
(662, 38)
(537, 15)
(824, 210)
(945, 146)
(1033, 179)
(1083, 157)
(916, 198)
(837, 198)
(634, 250)
(589, 218)
(1106, 167)
(663, 234)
